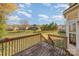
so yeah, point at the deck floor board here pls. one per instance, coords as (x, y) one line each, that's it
(43, 49)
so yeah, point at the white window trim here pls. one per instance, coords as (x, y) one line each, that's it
(74, 20)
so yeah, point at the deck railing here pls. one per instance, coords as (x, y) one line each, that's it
(11, 46)
(59, 41)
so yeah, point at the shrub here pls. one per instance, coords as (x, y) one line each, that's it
(62, 31)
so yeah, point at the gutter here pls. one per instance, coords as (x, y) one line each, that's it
(70, 8)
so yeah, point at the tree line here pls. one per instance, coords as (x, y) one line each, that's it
(50, 26)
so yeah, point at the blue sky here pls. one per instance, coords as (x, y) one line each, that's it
(38, 13)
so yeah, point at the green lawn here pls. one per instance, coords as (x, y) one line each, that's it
(59, 43)
(11, 34)
(28, 32)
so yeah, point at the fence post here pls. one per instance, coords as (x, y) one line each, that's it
(40, 38)
(51, 41)
(65, 43)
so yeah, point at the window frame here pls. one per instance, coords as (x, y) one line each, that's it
(72, 33)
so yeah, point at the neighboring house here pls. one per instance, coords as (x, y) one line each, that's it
(61, 27)
(23, 27)
(72, 28)
(16, 27)
(9, 28)
(34, 27)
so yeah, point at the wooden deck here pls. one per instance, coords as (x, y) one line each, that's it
(43, 49)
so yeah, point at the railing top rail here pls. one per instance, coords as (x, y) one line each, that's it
(16, 38)
(43, 36)
(57, 36)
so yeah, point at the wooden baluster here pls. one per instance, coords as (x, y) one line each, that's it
(6, 49)
(17, 47)
(9, 48)
(21, 44)
(12, 48)
(2, 49)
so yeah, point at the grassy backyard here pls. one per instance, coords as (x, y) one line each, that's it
(11, 34)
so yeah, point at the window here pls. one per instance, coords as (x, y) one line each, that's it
(72, 27)
(72, 38)
(72, 32)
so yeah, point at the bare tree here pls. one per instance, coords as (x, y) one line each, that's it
(24, 24)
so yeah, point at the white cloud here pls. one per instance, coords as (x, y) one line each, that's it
(61, 5)
(42, 16)
(30, 11)
(13, 18)
(28, 4)
(21, 5)
(47, 4)
(25, 13)
(57, 17)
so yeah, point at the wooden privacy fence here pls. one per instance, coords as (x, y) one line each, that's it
(59, 41)
(11, 46)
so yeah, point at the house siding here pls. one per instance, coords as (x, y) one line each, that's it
(73, 14)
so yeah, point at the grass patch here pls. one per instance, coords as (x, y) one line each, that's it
(59, 43)
(18, 33)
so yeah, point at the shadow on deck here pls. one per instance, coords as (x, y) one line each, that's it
(43, 49)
